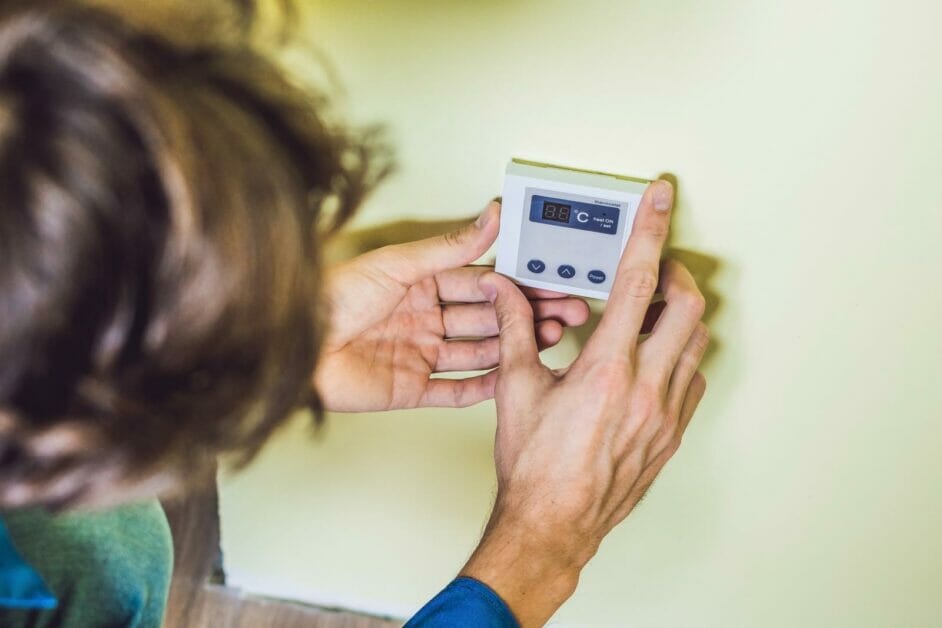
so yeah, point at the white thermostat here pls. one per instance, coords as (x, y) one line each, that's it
(564, 229)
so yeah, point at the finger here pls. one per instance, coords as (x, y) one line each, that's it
(685, 307)
(474, 320)
(518, 348)
(460, 285)
(459, 393)
(687, 366)
(548, 333)
(476, 355)
(413, 261)
(692, 399)
(680, 382)
(647, 476)
(637, 275)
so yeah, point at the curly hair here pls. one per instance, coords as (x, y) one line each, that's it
(162, 210)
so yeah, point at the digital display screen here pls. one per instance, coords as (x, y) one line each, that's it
(557, 212)
(599, 216)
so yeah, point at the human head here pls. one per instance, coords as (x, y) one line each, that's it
(160, 220)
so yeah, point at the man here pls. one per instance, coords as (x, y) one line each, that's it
(162, 214)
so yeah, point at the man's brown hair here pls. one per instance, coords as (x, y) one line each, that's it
(160, 213)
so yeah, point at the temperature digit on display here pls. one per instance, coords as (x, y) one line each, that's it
(556, 212)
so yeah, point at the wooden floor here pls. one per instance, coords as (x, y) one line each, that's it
(225, 607)
(199, 597)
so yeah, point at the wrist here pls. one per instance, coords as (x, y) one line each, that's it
(532, 568)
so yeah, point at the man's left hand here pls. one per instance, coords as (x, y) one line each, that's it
(402, 313)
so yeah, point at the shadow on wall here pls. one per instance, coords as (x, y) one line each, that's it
(355, 242)
(702, 266)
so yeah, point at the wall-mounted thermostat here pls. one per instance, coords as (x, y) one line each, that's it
(565, 229)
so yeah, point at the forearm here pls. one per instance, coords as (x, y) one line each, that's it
(533, 572)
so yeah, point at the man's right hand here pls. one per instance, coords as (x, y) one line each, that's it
(576, 451)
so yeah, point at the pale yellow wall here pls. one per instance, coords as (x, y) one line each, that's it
(807, 141)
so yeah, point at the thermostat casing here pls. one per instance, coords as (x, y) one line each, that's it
(564, 229)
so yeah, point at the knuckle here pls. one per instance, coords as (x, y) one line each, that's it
(514, 317)
(458, 237)
(658, 227)
(646, 400)
(507, 319)
(510, 303)
(694, 305)
(640, 282)
(608, 382)
(613, 377)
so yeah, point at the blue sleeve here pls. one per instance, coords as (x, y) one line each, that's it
(20, 585)
(465, 602)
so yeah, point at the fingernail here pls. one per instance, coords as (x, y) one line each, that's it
(484, 218)
(663, 195)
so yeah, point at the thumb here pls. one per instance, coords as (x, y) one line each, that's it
(414, 261)
(518, 347)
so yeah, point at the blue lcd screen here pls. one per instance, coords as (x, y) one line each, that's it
(574, 214)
